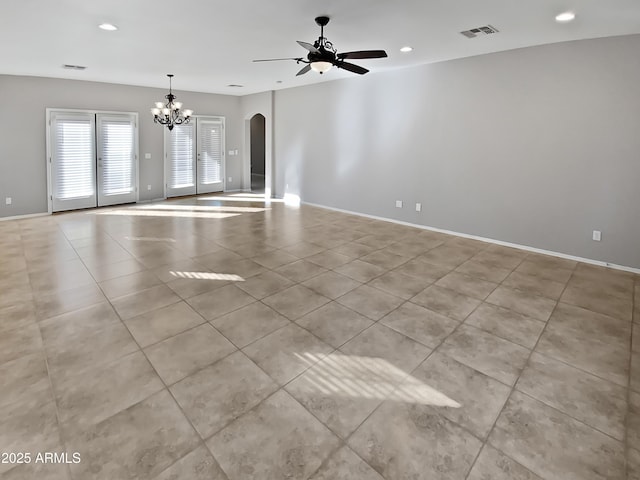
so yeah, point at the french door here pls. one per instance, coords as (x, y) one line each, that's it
(93, 159)
(195, 157)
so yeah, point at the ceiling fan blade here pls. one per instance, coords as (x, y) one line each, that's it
(303, 70)
(352, 68)
(363, 54)
(277, 59)
(308, 46)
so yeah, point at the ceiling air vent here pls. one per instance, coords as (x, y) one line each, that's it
(73, 67)
(474, 32)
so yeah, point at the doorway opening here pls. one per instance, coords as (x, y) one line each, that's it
(257, 147)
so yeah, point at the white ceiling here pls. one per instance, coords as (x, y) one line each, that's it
(209, 44)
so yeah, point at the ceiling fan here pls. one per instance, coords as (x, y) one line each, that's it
(323, 55)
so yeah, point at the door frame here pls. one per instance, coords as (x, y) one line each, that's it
(50, 110)
(250, 152)
(223, 120)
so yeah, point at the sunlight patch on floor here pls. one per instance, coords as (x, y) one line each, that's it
(150, 239)
(368, 377)
(202, 208)
(230, 277)
(172, 213)
(244, 198)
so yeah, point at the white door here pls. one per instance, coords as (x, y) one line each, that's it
(73, 161)
(116, 159)
(210, 154)
(180, 164)
(195, 157)
(93, 159)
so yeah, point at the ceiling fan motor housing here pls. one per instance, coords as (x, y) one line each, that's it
(322, 55)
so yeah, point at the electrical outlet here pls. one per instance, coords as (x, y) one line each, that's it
(8, 200)
(147, 156)
(597, 235)
(148, 187)
(398, 203)
(230, 179)
(418, 207)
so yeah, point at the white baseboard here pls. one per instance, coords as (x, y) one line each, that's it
(20, 217)
(526, 248)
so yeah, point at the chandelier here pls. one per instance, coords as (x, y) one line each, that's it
(169, 114)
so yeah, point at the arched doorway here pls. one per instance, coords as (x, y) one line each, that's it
(258, 137)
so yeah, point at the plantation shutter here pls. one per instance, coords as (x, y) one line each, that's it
(210, 154)
(73, 160)
(116, 155)
(181, 147)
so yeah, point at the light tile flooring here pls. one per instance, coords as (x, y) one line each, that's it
(211, 338)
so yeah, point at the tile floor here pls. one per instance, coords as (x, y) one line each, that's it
(225, 338)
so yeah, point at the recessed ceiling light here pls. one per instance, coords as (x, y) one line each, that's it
(565, 17)
(406, 49)
(278, 81)
(108, 26)
(235, 85)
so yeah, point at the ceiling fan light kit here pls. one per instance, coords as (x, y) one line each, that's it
(323, 55)
(171, 113)
(321, 67)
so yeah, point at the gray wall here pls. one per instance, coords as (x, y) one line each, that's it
(23, 174)
(537, 146)
(257, 144)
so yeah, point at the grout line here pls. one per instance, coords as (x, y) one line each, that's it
(319, 222)
(513, 387)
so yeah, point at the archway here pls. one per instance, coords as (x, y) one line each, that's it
(257, 152)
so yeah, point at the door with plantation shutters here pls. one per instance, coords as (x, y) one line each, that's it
(180, 165)
(116, 173)
(194, 157)
(73, 160)
(92, 157)
(210, 154)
